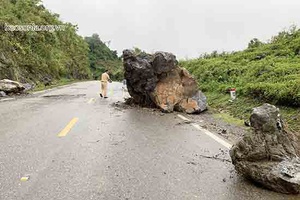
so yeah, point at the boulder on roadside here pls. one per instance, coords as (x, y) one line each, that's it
(9, 86)
(47, 80)
(269, 155)
(157, 80)
(2, 94)
(28, 86)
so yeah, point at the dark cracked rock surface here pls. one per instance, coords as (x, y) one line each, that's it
(157, 81)
(269, 154)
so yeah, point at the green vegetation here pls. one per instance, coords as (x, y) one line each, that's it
(264, 72)
(55, 83)
(49, 57)
(33, 56)
(102, 58)
(229, 119)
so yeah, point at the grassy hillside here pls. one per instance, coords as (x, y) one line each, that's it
(33, 56)
(102, 57)
(49, 57)
(264, 72)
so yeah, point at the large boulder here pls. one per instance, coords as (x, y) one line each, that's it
(157, 80)
(9, 86)
(269, 154)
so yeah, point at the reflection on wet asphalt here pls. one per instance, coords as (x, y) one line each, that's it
(112, 152)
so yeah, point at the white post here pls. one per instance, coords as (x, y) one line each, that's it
(233, 93)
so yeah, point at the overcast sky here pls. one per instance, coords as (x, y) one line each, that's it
(186, 28)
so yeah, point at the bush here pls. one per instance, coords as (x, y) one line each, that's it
(32, 56)
(269, 72)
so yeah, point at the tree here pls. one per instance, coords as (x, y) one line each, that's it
(35, 55)
(102, 57)
(254, 43)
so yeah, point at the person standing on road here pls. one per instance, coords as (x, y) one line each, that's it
(104, 82)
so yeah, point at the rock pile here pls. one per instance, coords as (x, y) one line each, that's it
(8, 86)
(157, 80)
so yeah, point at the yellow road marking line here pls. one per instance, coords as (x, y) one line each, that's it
(24, 178)
(91, 100)
(67, 129)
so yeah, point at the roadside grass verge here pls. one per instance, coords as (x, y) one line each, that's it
(238, 111)
(56, 83)
(264, 72)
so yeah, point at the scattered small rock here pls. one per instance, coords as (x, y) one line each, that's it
(184, 122)
(28, 86)
(47, 80)
(247, 123)
(2, 94)
(204, 126)
(295, 118)
(191, 163)
(120, 105)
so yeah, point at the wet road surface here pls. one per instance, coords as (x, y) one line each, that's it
(68, 143)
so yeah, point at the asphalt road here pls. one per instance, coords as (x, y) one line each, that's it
(67, 143)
